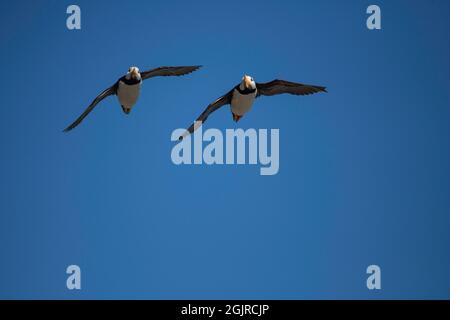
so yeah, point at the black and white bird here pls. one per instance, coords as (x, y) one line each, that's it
(242, 96)
(128, 88)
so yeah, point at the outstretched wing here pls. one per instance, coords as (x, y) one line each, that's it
(110, 91)
(168, 71)
(222, 101)
(281, 86)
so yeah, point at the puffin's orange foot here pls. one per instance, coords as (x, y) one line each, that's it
(236, 118)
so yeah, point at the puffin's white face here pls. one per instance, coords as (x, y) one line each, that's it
(248, 82)
(133, 73)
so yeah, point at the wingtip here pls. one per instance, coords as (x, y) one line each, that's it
(189, 70)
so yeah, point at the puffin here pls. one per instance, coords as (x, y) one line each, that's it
(128, 88)
(243, 95)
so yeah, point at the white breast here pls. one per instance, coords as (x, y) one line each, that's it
(128, 94)
(242, 103)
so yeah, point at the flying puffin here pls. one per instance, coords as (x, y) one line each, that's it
(128, 87)
(242, 96)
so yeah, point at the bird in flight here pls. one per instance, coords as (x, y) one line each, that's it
(128, 88)
(242, 96)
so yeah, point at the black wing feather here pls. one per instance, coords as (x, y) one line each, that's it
(281, 86)
(168, 71)
(110, 91)
(222, 101)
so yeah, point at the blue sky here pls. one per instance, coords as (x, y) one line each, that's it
(364, 170)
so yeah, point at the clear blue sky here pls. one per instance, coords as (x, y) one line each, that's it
(364, 170)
